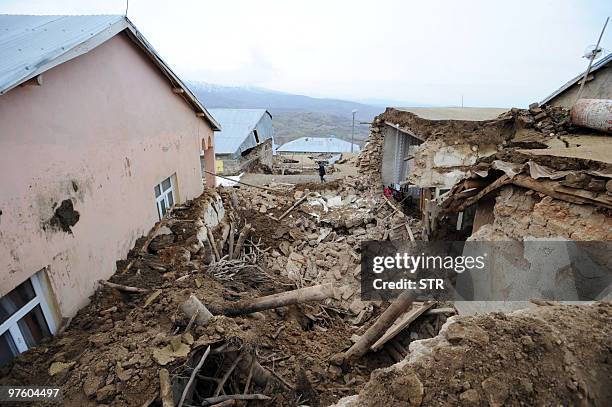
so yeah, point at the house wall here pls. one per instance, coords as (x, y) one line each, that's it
(207, 162)
(101, 131)
(600, 87)
(262, 153)
(230, 164)
(440, 164)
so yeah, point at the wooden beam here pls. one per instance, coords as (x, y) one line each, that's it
(299, 296)
(402, 323)
(503, 180)
(382, 324)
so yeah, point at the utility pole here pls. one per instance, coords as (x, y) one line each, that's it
(591, 59)
(353, 130)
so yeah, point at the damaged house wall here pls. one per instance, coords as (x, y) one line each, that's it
(551, 182)
(95, 138)
(520, 213)
(238, 144)
(261, 153)
(438, 163)
(437, 150)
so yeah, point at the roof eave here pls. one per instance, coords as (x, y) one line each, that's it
(603, 63)
(103, 36)
(78, 50)
(140, 40)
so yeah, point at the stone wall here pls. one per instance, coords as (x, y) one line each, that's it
(521, 213)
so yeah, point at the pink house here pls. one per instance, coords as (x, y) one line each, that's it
(97, 138)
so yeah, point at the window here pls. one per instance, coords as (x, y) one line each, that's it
(25, 319)
(256, 136)
(164, 196)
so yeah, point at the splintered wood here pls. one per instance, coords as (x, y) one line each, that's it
(384, 322)
(401, 323)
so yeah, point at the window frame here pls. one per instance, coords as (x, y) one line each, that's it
(11, 325)
(163, 196)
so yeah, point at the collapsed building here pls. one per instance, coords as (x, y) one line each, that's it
(542, 173)
(434, 155)
(251, 294)
(417, 158)
(246, 140)
(264, 306)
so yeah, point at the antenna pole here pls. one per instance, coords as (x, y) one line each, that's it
(591, 59)
(127, 6)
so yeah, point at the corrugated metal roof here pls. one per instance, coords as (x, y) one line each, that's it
(31, 45)
(318, 145)
(594, 68)
(237, 125)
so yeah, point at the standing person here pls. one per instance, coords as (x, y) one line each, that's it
(322, 171)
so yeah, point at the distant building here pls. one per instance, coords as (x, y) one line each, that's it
(598, 85)
(317, 145)
(98, 138)
(247, 137)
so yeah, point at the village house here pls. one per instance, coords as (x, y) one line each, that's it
(98, 138)
(246, 139)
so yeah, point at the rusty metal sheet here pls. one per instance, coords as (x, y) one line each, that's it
(593, 113)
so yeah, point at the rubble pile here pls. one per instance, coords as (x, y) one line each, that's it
(189, 293)
(252, 293)
(319, 241)
(550, 120)
(532, 357)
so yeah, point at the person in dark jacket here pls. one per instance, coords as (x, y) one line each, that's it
(322, 171)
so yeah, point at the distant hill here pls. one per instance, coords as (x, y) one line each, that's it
(294, 116)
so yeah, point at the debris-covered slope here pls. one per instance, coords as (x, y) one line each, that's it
(113, 351)
(551, 355)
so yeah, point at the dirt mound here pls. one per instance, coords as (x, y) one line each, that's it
(319, 186)
(551, 355)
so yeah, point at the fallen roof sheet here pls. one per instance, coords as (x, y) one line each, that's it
(31, 45)
(455, 113)
(237, 125)
(596, 66)
(318, 145)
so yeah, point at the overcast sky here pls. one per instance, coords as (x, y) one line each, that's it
(494, 53)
